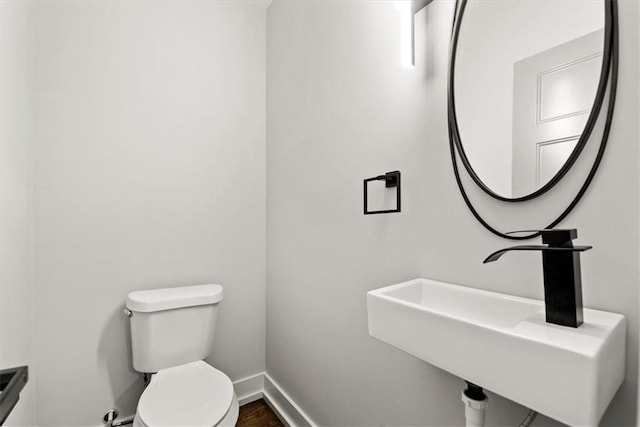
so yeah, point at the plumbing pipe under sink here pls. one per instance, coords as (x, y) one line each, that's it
(475, 405)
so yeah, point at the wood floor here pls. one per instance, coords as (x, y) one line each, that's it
(257, 414)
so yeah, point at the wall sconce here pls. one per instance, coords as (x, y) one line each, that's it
(408, 10)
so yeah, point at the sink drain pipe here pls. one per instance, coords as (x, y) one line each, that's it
(475, 405)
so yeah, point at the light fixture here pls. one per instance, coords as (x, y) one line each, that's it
(408, 10)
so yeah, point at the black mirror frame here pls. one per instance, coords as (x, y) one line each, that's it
(608, 77)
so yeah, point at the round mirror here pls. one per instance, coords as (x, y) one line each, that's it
(527, 76)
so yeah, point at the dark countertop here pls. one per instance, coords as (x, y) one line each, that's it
(12, 381)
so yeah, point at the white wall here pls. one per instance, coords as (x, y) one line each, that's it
(16, 200)
(150, 170)
(340, 109)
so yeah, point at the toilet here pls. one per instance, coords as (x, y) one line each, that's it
(172, 332)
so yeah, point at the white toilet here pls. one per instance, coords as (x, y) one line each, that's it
(171, 333)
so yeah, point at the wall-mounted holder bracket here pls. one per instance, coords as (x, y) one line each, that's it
(391, 180)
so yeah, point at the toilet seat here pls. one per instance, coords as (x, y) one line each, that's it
(194, 394)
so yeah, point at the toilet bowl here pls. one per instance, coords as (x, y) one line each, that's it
(194, 394)
(172, 331)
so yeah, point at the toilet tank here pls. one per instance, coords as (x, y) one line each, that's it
(172, 326)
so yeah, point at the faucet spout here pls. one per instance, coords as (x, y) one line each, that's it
(497, 254)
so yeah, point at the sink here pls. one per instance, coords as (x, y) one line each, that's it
(502, 343)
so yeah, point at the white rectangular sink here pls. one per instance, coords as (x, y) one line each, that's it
(502, 343)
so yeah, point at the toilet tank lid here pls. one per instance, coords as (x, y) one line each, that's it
(169, 298)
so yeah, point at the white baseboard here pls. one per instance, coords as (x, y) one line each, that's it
(286, 409)
(262, 385)
(249, 389)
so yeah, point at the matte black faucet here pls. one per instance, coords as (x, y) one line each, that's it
(561, 268)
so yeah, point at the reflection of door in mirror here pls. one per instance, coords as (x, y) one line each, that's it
(553, 94)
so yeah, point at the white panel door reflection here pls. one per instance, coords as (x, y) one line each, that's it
(551, 155)
(553, 92)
